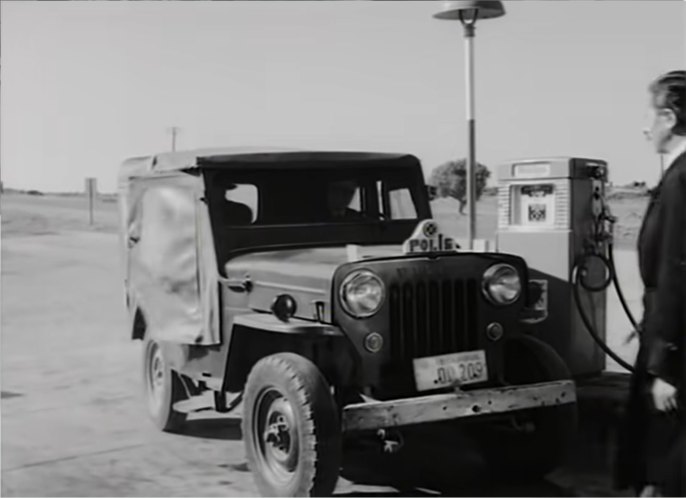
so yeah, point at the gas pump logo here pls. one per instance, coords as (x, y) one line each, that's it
(537, 212)
(537, 200)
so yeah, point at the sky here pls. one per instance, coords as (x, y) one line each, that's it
(84, 85)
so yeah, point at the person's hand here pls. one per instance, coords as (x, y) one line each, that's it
(664, 395)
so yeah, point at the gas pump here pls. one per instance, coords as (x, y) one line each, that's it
(552, 212)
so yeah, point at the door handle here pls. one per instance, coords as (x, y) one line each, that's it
(133, 240)
(239, 285)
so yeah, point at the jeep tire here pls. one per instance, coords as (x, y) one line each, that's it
(546, 434)
(291, 428)
(163, 387)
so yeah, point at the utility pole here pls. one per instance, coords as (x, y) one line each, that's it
(91, 193)
(174, 130)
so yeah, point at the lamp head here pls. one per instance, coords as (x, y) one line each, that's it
(471, 9)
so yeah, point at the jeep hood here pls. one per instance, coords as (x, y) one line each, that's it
(305, 274)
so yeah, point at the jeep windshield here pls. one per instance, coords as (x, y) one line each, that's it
(307, 205)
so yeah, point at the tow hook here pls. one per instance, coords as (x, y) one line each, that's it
(392, 441)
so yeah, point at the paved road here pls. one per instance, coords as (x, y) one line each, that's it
(72, 417)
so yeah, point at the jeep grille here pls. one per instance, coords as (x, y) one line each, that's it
(432, 318)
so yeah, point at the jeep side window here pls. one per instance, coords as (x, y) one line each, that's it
(397, 202)
(344, 200)
(292, 196)
(356, 202)
(402, 206)
(241, 206)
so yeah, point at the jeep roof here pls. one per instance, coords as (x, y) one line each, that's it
(229, 157)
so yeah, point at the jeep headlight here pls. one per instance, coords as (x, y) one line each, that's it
(501, 284)
(362, 293)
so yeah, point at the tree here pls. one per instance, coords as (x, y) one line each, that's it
(450, 180)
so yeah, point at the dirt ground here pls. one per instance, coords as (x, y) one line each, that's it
(73, 421)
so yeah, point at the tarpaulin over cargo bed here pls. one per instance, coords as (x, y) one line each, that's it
(171, 265)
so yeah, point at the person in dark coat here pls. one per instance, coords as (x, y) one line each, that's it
(652, 441)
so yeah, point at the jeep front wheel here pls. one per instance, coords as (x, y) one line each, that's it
(291, 428)
(163, 387)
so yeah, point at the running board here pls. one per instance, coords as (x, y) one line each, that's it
(200, 403)
(208, 400)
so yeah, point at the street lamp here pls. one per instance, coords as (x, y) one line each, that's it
(468, 12)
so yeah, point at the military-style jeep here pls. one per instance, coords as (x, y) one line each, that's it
(316, 288)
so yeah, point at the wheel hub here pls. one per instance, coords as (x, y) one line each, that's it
(276, 426)
(278, 434)
(156, 375)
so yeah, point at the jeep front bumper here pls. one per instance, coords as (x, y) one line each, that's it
(459, 404)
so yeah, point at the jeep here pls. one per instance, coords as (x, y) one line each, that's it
(315, 290)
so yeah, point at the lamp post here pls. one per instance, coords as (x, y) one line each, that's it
(468, 12)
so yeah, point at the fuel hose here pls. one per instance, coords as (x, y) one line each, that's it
(618, 288)
(579, 272)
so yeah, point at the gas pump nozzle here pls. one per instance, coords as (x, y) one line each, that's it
(604, 221)
(597, 172)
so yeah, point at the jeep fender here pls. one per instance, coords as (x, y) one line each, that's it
(137, 324)
(550, 364)
(295, 326)
(257, 335)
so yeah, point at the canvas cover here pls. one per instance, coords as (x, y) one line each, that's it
(172, 275)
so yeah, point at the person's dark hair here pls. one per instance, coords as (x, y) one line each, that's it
(669, 92)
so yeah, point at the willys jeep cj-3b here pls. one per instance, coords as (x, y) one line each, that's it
(316, 288)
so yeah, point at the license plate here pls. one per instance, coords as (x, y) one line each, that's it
(435, 372)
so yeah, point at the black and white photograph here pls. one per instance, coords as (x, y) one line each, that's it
(343, 248)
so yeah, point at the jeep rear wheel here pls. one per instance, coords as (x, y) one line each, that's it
(291, 428)
(535, 441)
(163, 387)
